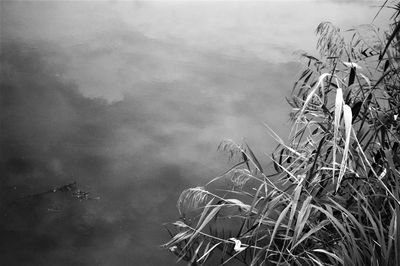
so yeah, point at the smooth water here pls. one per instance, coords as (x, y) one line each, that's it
(130, 101)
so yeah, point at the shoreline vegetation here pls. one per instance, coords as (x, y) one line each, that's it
(333, 195)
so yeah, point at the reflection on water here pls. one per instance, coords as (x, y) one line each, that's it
(129, 113)
(136, 155)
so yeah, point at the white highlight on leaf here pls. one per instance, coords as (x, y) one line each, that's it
(238, 245)
(352, 64)
(382, 175)
(347, 124)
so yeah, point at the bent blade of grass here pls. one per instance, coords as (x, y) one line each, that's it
(329, 254)
(366, 79)
(315, 259)
(336, 125)
(311, 94)
(347, 123)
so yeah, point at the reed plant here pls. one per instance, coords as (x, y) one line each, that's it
(332, 196)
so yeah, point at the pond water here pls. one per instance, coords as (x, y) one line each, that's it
(130, 101)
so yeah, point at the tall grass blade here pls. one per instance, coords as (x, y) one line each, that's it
(279, 221)
(302, 218)
(336, 125)
(347, 123)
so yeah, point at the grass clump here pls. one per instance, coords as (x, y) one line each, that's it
(334, 195)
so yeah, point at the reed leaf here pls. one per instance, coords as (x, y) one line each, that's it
(347, 123)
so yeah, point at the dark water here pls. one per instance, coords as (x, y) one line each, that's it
(102, 94)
